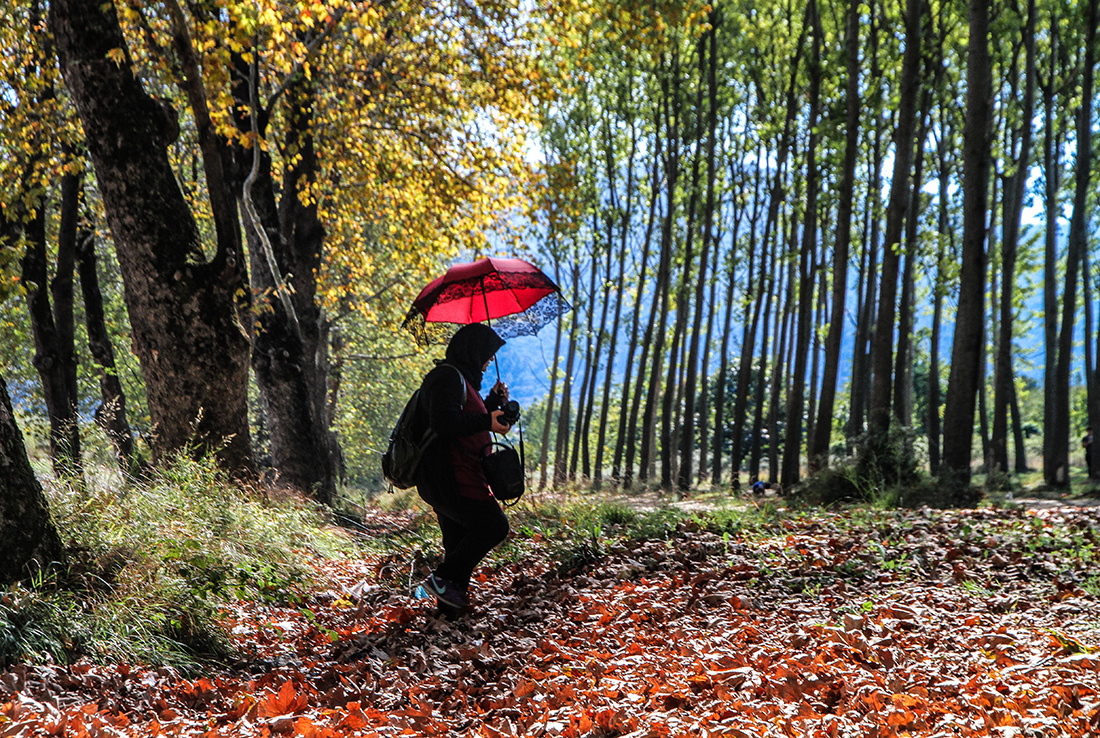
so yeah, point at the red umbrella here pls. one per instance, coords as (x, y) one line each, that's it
(512, 292)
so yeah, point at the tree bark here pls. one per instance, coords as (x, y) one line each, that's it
(817, 451)
(28, 539)
(882, 352)
(110, 414)
(53, 330)
(1015, 186)
(183, 307)
(1076, 246)
(968, 345)
(796, 399)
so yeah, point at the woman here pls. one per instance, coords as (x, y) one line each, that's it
(449, 476)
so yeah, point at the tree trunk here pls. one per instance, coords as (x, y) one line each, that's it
(968, 345)
(707, 71)
(868, 283)
(796, 399)
(561, 452)
(723, 366)
(818, 444)
(1015, 186)
(183, 307)
(623, 469)
(55, 354)
(882, 352)
(29, 541)
(1052, 474)
(1079, 220)
(755, 301)
(551, 396)
(111, 412)
(616, 321)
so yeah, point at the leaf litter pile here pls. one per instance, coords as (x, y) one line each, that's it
(926, 623)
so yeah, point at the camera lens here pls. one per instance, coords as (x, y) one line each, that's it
(511, 412)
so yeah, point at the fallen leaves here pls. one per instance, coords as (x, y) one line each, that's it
(834, 627)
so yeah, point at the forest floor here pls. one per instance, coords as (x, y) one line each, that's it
(851, 623)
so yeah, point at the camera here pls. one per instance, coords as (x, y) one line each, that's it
(510, 412)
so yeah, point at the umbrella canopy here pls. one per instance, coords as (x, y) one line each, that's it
(514, 296)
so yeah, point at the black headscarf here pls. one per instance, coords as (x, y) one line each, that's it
(470, 347)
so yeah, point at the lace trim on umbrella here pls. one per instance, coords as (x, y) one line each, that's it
(527, 323)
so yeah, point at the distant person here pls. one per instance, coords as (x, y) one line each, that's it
(1086, 444)
(759, 488)
(449, 476)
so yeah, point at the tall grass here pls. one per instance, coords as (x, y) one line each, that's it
(150, 564)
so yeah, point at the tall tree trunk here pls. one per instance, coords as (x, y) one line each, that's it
(817, 450)
(1079, 220)
(54, 343)
(544, 451)
(903, 365)
(754, 300)
(868, 282)
(707, 71)
(723, 365)
(580, 428)
(882, 353)
(784, 324)
(939, 292)
(29, 541)
(290, 337)
(968, 345)
(1015, 186)
(796, 400)
(183, 307)
(628, 421)
(672, 114)
(1052, 473)
(624, 228)
(561, 453)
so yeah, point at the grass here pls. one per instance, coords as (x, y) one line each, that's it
(150, 565)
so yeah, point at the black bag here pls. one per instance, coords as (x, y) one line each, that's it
(403, 454)
(504, 471)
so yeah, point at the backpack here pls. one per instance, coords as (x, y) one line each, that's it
(405, 448)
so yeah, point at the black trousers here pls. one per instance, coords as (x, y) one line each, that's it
(471, 529)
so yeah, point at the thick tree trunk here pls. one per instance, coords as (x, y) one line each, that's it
(28, 539)
(183, 307)
(1052, 473)
(289, 333)
(968, 346)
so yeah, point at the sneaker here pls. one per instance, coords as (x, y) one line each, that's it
(445, 592)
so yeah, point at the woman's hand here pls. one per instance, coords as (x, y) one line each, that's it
(498, 425)
(500, 389)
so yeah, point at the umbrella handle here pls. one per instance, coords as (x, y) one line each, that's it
(489, 321)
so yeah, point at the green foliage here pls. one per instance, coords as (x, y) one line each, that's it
(152, 564)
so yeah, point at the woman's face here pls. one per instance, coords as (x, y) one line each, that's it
(488, 361)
